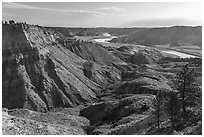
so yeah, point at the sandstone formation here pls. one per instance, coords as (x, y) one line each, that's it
(39, 73)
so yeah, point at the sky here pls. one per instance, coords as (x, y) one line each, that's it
(104, 14)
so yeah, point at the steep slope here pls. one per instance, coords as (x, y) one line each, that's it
(38, 73)
(102, 66)
(90, 51)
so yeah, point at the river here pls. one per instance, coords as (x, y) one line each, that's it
(105, 40)
(180, 54)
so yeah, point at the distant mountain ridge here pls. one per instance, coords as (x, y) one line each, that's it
(162, 36)
(187, 35)
(68, 31)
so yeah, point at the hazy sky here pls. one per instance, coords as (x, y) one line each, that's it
(107, 14)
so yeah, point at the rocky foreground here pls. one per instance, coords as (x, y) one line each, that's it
(54, 84)
(27, 122)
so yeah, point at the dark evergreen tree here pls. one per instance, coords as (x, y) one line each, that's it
(186, 85)
(172, 107)
(158, 106)
(11, 22)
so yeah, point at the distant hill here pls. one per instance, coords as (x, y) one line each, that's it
(67, 32)
(167, 35)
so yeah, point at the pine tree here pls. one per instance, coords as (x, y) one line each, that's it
(11, 22)
(186, 85)
(172, 107)
(158, 105)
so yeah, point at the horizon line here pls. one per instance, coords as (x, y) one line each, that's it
(108, 27)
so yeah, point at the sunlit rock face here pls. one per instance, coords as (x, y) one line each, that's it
(38, 73)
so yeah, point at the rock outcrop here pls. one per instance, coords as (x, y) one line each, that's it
(39, 73)
(90, 51)
(120, 116)
(101, 66)
(143, 85)
(27, 122)
(137, 54)
(127, 108)
(102, 75)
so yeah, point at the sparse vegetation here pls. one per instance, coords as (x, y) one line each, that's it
(186, 85)
(172, 108)
(189, 93)
(159, 107)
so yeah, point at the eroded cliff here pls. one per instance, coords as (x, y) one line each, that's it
(39, 73)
